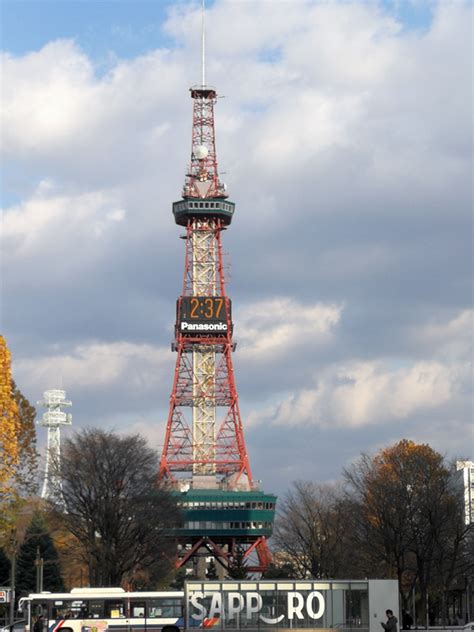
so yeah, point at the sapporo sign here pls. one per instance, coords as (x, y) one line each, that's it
(5, 595)
(249, 605)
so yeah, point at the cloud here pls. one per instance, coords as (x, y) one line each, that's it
(97, 366)
(367, 393)
(452, 338)
(381, 391)
(27, 226)
(346, 142)
(279, 326)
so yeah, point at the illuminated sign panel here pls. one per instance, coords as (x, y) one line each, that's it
(250, 605)
(203, 315)
(5, 595)
(288, 604)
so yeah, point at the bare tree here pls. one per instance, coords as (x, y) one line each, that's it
(454, 548)
(311, 530)
(114, 507)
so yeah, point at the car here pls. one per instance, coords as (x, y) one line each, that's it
(18, 626)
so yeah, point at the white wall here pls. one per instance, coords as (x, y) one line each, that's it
(383, 595)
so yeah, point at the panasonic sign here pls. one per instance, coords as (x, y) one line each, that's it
(249, 604)
(203, 327)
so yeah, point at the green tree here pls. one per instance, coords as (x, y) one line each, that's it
(279, 571)
(211, 572)
(4, 569)
(180, 576)
(38, 543)
(237, 567)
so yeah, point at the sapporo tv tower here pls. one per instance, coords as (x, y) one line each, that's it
(204, 458)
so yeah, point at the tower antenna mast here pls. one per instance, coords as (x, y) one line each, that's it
(203, 43)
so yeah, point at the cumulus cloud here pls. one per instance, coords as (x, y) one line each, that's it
(96, 366)
(27, 226)
(279, 326)
(346, 141)
(362, 393)
(452, 338)
(367, 393)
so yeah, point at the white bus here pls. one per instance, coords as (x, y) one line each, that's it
(104, 609)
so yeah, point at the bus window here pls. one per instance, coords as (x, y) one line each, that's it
(96, 609)
(166, 608)
(62, 609)
(137, 609)
(114, 609)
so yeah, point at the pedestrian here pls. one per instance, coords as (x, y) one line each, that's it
(38, 626)
(391, 624)
(407, 620)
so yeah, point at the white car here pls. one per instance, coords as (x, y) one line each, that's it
(18, 626)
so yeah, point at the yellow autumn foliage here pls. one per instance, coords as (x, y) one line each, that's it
(9, 426)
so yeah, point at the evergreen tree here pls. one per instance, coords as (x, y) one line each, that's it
(211, 572)
(38, 540)
(237, 568)
(4, 569)
(279, 571)
(178, 581)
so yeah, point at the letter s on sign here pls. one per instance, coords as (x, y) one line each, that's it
(198, 606)
(309, 604)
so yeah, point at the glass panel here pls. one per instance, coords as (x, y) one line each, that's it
(96, 609)
(338, 607)
(164, 608)
(69, 609)
(137, 609)
(114, 609)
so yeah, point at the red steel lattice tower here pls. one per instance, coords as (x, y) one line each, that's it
(204, 455)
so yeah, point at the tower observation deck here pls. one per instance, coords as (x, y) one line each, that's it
(204, 456)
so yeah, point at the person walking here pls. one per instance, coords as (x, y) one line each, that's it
(407, 620)
(391, 623)
(38, 626)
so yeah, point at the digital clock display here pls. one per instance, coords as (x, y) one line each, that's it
(204, 315)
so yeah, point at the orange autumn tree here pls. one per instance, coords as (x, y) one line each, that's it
(9, 427)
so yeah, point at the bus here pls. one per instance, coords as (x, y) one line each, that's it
(104, 609)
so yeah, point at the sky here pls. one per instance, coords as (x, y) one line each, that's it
(344, 134)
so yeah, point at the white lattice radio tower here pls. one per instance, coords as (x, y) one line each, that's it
(54, 401)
